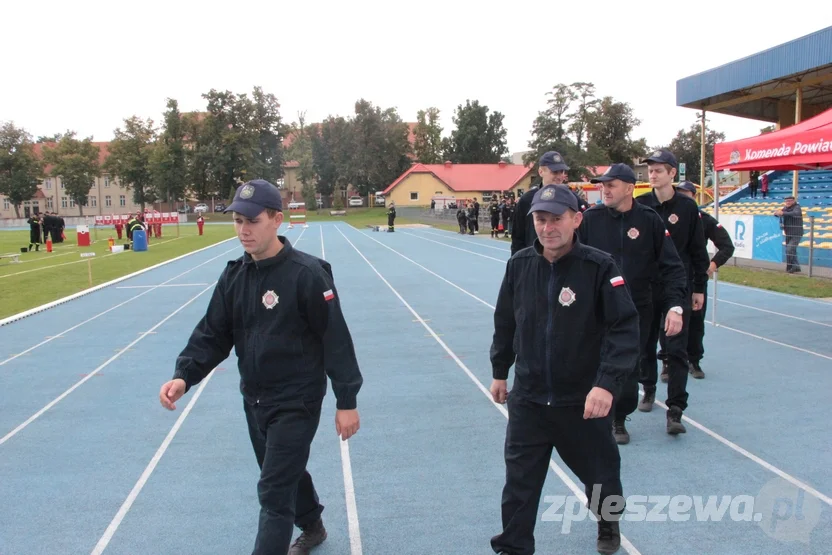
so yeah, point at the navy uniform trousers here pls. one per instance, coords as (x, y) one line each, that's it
(675, 351)
(627, 400)
(586, 446)
(281, 436)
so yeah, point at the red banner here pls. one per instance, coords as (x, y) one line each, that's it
(805, 146)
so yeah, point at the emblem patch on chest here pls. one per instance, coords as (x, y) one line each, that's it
(567, 296)
(270, 299)
(673, 218)
(633, 233)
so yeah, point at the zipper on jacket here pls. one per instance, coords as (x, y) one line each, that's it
(549, 324)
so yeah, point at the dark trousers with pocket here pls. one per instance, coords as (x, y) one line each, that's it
(586, 446)
(281, 436)
(627, 400)
(675, 352)
(696, 334)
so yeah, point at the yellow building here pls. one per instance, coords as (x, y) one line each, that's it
(422, 182)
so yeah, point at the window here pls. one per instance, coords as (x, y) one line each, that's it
(49, 204)
(122, 200)
(63, 202)
(106, 181)
(72, 202)
(62, 185)
(108, 201)
(414, 195)
(93, 201)
(6, 205)
(47, 183)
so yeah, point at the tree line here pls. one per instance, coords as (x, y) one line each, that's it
(239, 137)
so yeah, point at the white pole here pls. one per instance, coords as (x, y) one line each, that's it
(716, 215)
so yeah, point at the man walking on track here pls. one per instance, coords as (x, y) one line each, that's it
(279, 307)
(566, 322)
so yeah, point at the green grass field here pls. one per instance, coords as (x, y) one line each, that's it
(43, 277)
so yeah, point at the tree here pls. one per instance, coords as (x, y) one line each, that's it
(76, 162)
(427, 137)
(167, 158)
(129, 159)
(266, 132)
(479, 137)
(20, 167)
(610, 127)
(687, 147)
(586, 107)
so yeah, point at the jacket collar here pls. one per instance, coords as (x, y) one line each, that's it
(577, 247)
(283, 255)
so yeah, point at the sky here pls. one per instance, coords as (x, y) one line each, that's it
(86, 66)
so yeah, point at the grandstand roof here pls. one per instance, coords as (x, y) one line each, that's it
(753, 86)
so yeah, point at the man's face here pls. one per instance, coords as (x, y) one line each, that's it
(789, 202)
(615, 192)
(660, 176)
(258, 234)
(555, 232)
(550, 177)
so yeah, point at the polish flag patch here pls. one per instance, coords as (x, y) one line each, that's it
(329, 295)
(616, 281)
(666, 233)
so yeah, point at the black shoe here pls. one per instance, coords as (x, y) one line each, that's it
(696, 370)
(646, 404)
(619, 431)
(674, 421)
(312, 536)
(609, 537)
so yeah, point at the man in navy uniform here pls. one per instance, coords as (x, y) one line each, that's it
(566, 322)
(279, 307)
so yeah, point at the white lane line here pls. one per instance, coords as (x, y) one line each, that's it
(88, 320)
(478, 243)
(777, 293)
(349, 485)
(162, 285)
(750, 307)
(58, 399)
(134, 493)
(708, 431)
(767, 340)
(457, 248)
(768, 466)
(625, 543)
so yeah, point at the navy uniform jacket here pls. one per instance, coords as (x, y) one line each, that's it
(717, 234)
(681, 218)
(283, 318)
(641, 247)
(566, 327)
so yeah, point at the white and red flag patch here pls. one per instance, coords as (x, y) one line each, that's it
(329, 295)
(616, 281)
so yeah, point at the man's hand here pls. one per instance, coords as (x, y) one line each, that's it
(171, 392)
(672, 323)
(499, 391)
(598, 403)
(711, 269)
(698, 301)
(346, 423)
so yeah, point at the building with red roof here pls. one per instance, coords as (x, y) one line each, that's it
(422, 182)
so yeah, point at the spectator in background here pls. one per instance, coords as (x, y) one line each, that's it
(764, 185)
(791, 222)
(753, 183)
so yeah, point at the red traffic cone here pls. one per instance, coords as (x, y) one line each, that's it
(49, 245)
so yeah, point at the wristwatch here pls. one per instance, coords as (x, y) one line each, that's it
(677, 309)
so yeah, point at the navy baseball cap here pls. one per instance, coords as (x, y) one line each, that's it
(555, 199)
(255, 196)
(553, 161)
(687, 186)
(616, 171)
(662, 156)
